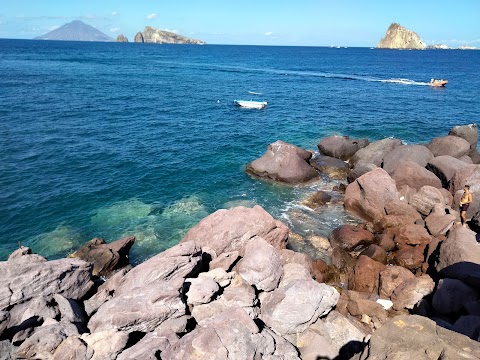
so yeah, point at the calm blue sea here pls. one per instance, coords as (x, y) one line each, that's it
(107, 139)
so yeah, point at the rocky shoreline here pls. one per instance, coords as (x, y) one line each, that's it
(403, 283)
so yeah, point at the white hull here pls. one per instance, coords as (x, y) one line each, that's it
(248, 104)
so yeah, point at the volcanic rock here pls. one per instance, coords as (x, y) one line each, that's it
(350, 237)
(366, 275)
(398, 37)
(285, 163)
(139, 37)
(444, 167)
(451, 295)
(374, 152)
(376, 253)
(450, 145)
(317, 199)
(415, 176)
(409, 293)
(367, 196)
(333, 167)
(341, 147)
(410, 257)
(441, 220)
(426, 198)
(155, 36)
(122, 38)
(391, 278)
(417, 153)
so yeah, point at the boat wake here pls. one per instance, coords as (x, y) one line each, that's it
(405, 82)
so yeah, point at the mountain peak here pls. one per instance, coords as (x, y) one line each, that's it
(75, 30)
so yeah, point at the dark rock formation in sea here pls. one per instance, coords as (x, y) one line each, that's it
(398, 37)
(122, 38)
(139, 37)
(76, 31)
(155, 36)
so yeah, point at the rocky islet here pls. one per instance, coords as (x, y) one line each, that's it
(232, 289)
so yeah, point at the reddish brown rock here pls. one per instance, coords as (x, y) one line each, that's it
(449, 145)
(385, 241)
(366, 275)
(391, 278)
(360, 307)
(333, 167)
(441, 220)
(341, 147)
(317, 199)
(283, 162)
(229, 230)
(411, 174)
(376, 253)
(411, 257)
(374, 152)
(350, 237)
(359, 170)
(417, 153)
(412, 235)
(106, 258)
(366, 197)
(426, 198)
(398, 214)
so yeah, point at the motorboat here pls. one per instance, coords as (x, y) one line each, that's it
(250, 104)
(438, 82)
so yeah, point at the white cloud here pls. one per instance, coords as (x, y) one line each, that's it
(114, 13)
(115, 29)
(268, 33)
(151, 16)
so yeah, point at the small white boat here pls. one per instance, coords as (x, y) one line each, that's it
(250, 104)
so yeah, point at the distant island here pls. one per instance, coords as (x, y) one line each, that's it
(76, 31)
(399, 37)
(156, 36)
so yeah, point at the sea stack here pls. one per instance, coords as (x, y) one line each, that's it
(398, 37)
(122, 38)
(139, 38)
(155, 36)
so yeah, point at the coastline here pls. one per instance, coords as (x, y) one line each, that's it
(232, 286)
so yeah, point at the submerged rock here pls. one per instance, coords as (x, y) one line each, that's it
(283, 162)
(333, 167)
(317, 199)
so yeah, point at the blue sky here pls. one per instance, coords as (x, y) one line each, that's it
(299, 22)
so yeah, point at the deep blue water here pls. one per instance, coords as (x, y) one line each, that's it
(107, 139)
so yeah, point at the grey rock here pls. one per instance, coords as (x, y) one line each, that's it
(105, 345)
(374, 152)
(297, 305)
(72, 348)
(122, 38)
(459, 256)
(139, 38)
(391, 278)
(449, 145)
(230, 230)
(398, 37)
(4, 319)
(7, 350)
(417, 153)
(67, 277)
(224, 261)
(359, 170)
(150, 346)
(341, 147)
(44, 341)
(415, 337)
(468, 132)
(441, 220)
(444, 167)
(411, 174)
(201, 290)
(293, 272)
(261, 265)
(75, 31)
(219, 275)
(451, 295)
(285, 163)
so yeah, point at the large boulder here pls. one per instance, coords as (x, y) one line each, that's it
(469, 133)
(341, 147)
(469, 175)
(350, 237)
(294, 307)
(411, 292)
(415, 337)
(410, 257)
(449, 145)
(417, 153)
(105, 258)
(261, 265)
(444, 167)
(333, 167)
(230, 230)
(426, 198)
(150, 345)
(366, 276)
(391, 278)
(440, 220)
(366, 196)
(150, 293)
(459, 256)
(25, 277)
(412, 235)
(283, 162)
(374, 152)
(415, 176)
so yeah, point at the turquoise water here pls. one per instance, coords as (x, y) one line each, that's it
(107, 140)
